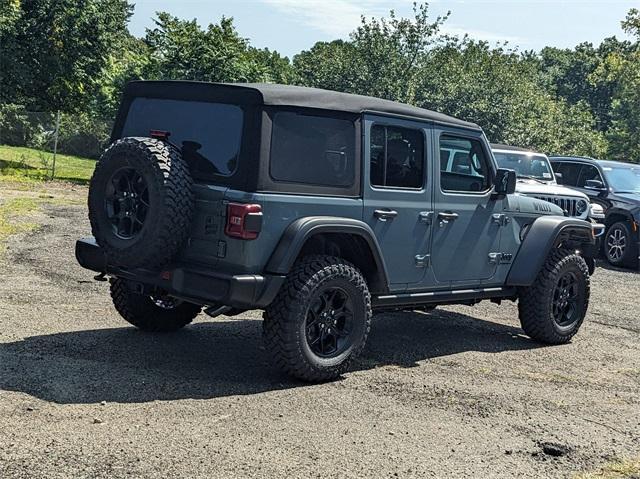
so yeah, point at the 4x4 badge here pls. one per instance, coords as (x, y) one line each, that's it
(500, 258)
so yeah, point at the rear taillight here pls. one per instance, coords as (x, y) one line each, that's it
(244, 221)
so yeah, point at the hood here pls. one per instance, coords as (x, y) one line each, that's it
(532, 206)
(531, 187)
(633, 198)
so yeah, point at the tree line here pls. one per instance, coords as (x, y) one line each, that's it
(76, 56)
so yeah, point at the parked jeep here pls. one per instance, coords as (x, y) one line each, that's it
(319, 208)
(615, 186)
(536, 178)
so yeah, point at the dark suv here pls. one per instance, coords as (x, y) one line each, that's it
(318, 207)
(616, 187)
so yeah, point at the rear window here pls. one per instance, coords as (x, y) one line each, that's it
(209, 134)
(312, 149)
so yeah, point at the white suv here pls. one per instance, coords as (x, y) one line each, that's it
(537, 179)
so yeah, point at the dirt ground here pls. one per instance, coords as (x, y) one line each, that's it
(459, 392)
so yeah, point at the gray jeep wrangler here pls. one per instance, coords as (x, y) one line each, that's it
(319, 208)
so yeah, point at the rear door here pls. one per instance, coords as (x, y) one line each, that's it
(397, 195)
(466, 235)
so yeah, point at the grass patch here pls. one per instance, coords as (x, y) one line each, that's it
(11, 217)
(28, 164)
(619, 469)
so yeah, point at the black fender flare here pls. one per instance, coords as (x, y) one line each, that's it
(628, 215)
(298, 232)
(544, 234)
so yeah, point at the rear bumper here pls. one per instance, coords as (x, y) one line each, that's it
(192, 283)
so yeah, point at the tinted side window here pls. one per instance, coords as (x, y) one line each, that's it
(466, 168)
(209, 134)
(312, 149)
(569, 172)
(588, 172)
(397, 157)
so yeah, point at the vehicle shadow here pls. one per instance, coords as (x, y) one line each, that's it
(216, 359)
(604, 264)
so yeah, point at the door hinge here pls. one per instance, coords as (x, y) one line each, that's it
(426, 217)
(422, 260)
(501, 219)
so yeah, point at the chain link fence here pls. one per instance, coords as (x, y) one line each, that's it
(49, 135)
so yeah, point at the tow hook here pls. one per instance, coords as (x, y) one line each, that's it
(100, 277)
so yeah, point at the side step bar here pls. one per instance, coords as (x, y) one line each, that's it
(461, 296)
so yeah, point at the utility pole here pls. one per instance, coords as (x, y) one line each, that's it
(55, 144)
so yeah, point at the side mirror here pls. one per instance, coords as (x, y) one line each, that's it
(505, 182)
(558, 177)
(594, 185)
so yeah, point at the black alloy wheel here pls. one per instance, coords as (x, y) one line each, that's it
(565, 300)
(127, 202)
(329, 323)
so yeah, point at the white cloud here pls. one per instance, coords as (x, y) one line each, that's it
(492, 37)
(334, 18)
(338, 18)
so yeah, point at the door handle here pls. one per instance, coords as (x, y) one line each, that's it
(384, 215)
(446, 216)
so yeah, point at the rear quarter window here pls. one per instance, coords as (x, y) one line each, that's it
(209, 134)
(315, 150)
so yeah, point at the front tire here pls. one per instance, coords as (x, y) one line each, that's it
(553, 308)
(619, 246)
(161, 314)
(320, 319)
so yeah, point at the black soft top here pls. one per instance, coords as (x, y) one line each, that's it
(285, 95)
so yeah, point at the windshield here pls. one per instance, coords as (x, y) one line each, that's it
(526, 165)
(623, 178)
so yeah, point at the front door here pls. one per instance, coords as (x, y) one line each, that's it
(397, 196)
(466, 231)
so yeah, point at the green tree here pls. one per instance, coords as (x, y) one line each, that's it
(498, 89)
(624, 134)
(585, 74)
(53, 56)
(182, 50)
(383, 57)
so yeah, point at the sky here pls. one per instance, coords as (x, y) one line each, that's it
(290, 26)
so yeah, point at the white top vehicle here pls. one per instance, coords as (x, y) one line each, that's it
(537, 179)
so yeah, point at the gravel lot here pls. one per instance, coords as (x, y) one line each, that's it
(459, 392)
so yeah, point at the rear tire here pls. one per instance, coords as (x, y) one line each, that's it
(158, 315)
(620, 248)
(553, 308)
(320, 319)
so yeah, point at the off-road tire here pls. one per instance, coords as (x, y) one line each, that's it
(630, 256)
(535, 303)
(285, 320)
(171, 202)
(141, 311)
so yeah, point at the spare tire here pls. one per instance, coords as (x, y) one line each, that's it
(141, 202)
